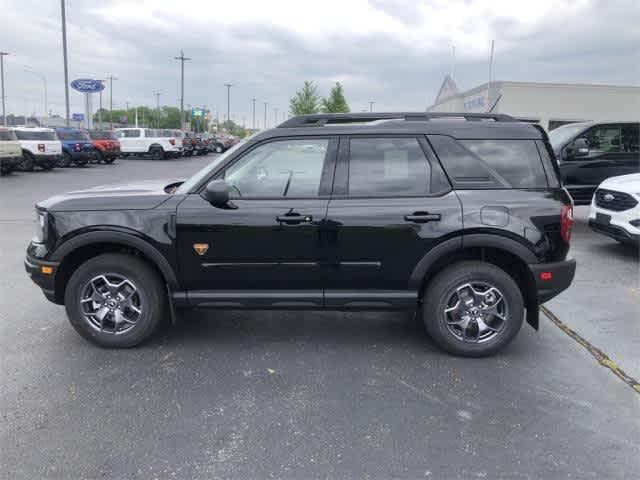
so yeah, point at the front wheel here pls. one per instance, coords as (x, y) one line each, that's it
(115, 300)
(27, 163)
(473, 309)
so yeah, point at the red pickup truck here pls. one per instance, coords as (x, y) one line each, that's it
(107, 146)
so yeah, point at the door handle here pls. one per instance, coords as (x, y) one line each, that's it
(292, 219)
(422, 217)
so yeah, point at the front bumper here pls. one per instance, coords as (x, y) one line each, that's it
(43, 274)
(615, 232)
(552, 278)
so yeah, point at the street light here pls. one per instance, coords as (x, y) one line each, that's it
(371, 106)
(4, 113)
(157, 94)
(100, 106)
(111, 78)
(228, 85)
(265, 114)
(66, 67)
(44, 81)
(182, 59)
(253, 101)
(275, 117)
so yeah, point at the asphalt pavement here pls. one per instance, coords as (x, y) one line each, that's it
(306, 395)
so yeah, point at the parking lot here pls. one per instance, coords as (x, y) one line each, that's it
(313, 394)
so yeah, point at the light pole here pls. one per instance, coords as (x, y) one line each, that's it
(4, 113)
(253, 101)
(371, 106)
(265, 115)
(182, 59)
(275, 117)
(111, 78)
(157, 94)
(100, 106)
(228, 85)
(44, 81)
(64, 56)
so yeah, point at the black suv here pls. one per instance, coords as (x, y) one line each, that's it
(591, 152)
(460, 217)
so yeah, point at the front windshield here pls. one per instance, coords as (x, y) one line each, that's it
(206, 171)
(560, 135)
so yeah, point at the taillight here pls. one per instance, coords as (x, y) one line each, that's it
(193, 142)
(77, 147)
(41, 147)
(172, 141)
(566, 222)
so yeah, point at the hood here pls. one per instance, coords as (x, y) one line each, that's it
(624, 183)
(136, 196)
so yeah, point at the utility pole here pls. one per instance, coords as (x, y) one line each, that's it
(111, 78)
(371, 106)
(228, 85)
(157, 94)
(275, 117)
(265, 114)
(182, 59)
(4, 113)
(253, 101)
(66, 67)
(100, 107)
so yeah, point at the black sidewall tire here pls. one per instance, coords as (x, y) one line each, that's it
(65, 160)
(27, 163)
(157, 154)
(150, 288)
(441, 287)
(108, 160)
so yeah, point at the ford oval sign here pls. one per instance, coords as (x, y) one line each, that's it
(87, 85)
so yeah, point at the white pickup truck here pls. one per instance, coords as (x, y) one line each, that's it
(40, 147)
(141, 141)
(10, 151)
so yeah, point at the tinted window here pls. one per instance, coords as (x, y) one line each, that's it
(129, 133)
(149, 133)
(490, 163)
(76, 135)
(287, 168)
(7, 135)
(387, 167)
(101, 135)
(631, 138)
(603, 140)
(35, 135)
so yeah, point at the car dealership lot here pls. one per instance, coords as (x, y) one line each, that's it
(312, 394)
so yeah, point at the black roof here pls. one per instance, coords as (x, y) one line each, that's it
(457, 125)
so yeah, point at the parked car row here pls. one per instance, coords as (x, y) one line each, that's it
(25, 148)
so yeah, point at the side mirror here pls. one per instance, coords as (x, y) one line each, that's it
(217, 193)
(579, 148)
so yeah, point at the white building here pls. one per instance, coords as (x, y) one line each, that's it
(550, 104)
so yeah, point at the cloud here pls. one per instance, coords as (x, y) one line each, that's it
(394, 52)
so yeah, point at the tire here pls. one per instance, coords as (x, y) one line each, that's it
(157, 153)
(219, 148)
(46, 166)
(149, 296)
(188, 154)
(108, 160)
(5, 171)
(98, 157)
(451, 285)
(65, 160)
(27, 163)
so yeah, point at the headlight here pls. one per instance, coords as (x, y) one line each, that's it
(41, 226)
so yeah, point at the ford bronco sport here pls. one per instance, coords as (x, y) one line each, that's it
(458, 216)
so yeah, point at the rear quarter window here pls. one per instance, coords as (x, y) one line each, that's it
(490, 164)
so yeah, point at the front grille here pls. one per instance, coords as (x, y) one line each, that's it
(616, 201)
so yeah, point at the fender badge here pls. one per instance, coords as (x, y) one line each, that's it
(201, 248)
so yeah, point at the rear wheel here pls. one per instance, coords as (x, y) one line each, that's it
(46, 165)
(473, 309)
(157, 153)
(65, 160)
(108, 160)
(115, 300)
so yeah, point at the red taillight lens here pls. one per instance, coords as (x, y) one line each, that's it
(172, 141)
(566, 222)
(41, 147)
(546, 276)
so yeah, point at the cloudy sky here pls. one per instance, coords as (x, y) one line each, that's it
(393, 52)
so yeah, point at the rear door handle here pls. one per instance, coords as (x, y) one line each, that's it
(294, 219)
(422, 217)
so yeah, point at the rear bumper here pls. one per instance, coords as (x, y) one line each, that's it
(83, 156)
(552, 278)
(52, 159)
(46, 281)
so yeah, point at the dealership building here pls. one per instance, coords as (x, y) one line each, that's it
(549, 104)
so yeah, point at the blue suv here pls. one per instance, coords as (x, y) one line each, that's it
(76, 146)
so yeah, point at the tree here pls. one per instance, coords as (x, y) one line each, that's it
(335, 103)
(305, 101)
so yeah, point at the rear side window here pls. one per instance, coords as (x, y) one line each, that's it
(35, 135)
(490, 164)
(382, 167)
(129, 133)
(6, 135)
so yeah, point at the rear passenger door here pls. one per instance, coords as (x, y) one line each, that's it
(391, 203)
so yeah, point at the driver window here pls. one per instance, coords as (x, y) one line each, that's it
(603, 140)
(285, 168)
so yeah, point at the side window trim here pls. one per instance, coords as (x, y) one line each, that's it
(326, 176)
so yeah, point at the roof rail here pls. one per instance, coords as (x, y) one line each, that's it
(322, 119)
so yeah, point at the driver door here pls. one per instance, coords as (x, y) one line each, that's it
(265, 250)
